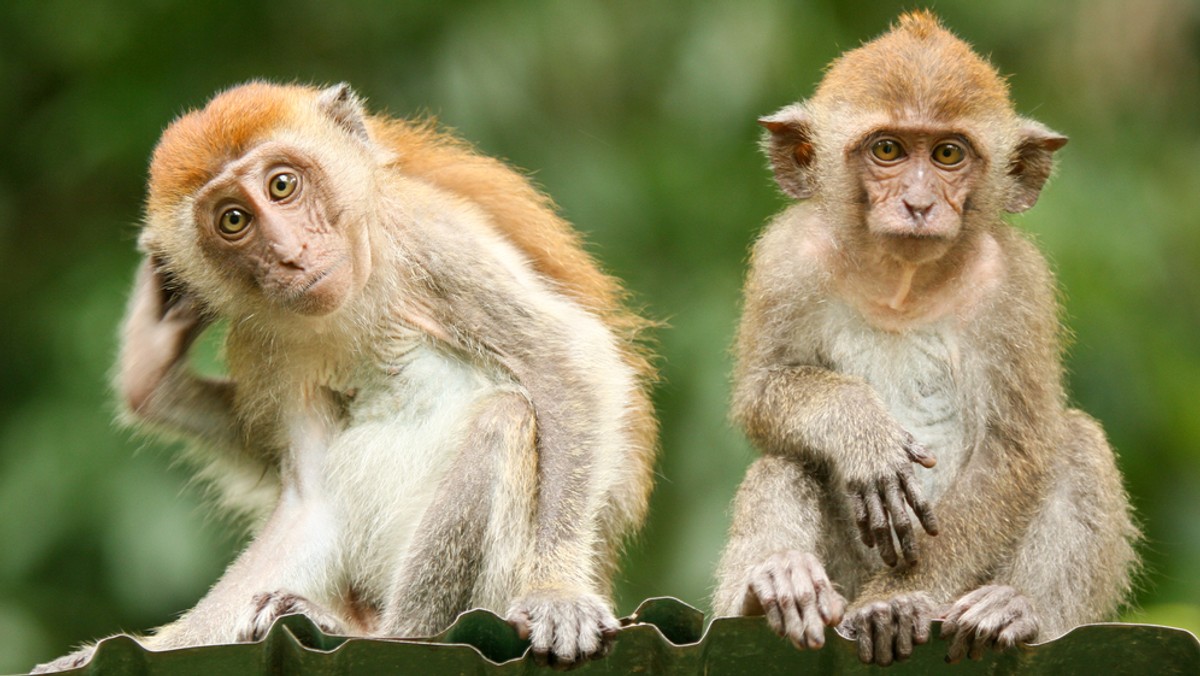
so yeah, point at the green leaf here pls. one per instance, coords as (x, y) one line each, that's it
(664, 636)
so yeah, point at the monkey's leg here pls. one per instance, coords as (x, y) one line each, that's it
(286, 563)
(286, 560)
(772, 563)
(1074, 563)
(474, 538)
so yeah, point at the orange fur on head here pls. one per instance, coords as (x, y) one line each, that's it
(918, 67)
(195, 147)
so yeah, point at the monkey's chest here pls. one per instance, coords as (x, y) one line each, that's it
(400, 433)
(918, 376)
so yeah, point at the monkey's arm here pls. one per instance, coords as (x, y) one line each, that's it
(788, 404)
(570, 367)
(1015, 346)
(156, 386)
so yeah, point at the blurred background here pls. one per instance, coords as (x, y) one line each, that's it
(639, 119)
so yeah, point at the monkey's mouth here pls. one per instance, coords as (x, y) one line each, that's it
(310, 285)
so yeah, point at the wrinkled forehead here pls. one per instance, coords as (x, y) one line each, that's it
(193, 150)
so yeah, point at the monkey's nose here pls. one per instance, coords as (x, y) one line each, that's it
(290, 256)
(918, 210)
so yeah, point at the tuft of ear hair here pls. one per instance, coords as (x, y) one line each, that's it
(1032, 163)
(343, 105)
(788, 145)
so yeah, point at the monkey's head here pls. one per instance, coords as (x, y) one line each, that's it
(258, 201)
(911, 139)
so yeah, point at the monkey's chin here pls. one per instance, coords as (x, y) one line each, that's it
(916, 249)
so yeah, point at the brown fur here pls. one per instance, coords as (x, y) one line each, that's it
(917, 67)
(447, 395)
(876, 336)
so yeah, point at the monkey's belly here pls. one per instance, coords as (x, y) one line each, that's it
(918, 376)
(385, 469)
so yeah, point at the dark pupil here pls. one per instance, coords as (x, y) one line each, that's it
(947, 151)
(235, 217)
(281, 184)
(887, 148)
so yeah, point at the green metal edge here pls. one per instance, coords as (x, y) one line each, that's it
(663, 636)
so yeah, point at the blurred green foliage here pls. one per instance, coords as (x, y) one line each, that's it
(639, 119)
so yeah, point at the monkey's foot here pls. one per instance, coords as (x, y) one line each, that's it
(564, 628)
(793, 591)
(994, 616)
(886, 630)
(73, 661)
(268, 607)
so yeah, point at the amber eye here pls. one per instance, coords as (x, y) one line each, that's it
(887, 150)
(948, 154)
(234, 222)
(283, 185)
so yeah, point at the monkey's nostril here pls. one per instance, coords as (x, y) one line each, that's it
(918, 209)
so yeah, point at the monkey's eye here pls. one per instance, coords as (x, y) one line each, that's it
(948, 154)
(283, 185)
(233, 222)
(887, 150)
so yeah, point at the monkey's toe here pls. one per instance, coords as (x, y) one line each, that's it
(270, 606)
(73, 661)
(564, 630)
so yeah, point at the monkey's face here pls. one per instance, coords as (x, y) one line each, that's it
(272, 221)
(917, 187)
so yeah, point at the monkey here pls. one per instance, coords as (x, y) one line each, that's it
(435, 399)
(898, 365)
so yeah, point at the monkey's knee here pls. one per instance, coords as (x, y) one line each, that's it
(505, 420)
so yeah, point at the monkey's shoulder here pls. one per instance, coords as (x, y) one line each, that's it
(795, 251)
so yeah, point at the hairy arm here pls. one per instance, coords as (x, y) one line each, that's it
(154, 381)
(1015, 346)
(483, 297)
(790, 404)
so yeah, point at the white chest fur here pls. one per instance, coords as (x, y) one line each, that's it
(918, 375)
(382, 467)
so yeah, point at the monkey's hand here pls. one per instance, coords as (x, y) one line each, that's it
(793, 591)
(161, 324)
(73, 661)
(879, 490)
(994, 616)
(564, 628)
(886, 630)
(268, 607)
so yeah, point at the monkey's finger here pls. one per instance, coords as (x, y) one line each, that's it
(609, 628)
(811, 627)
(763, 586)
(865, 636)
(920, 506)
(922, 624)
(568, 635)
(919, 454)
(905, 628)
(519, 621)
(830, 604)
(980, 642)
(880, 528)
(793, 623)
(901, 524)
(959, 645)
(1023, 629)
(885, 633)
(862, 518)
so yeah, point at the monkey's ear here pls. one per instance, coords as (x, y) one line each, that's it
(1031, 163)
(788, 144)
(344, 106)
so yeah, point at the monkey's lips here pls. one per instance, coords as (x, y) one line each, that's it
(319, 293)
